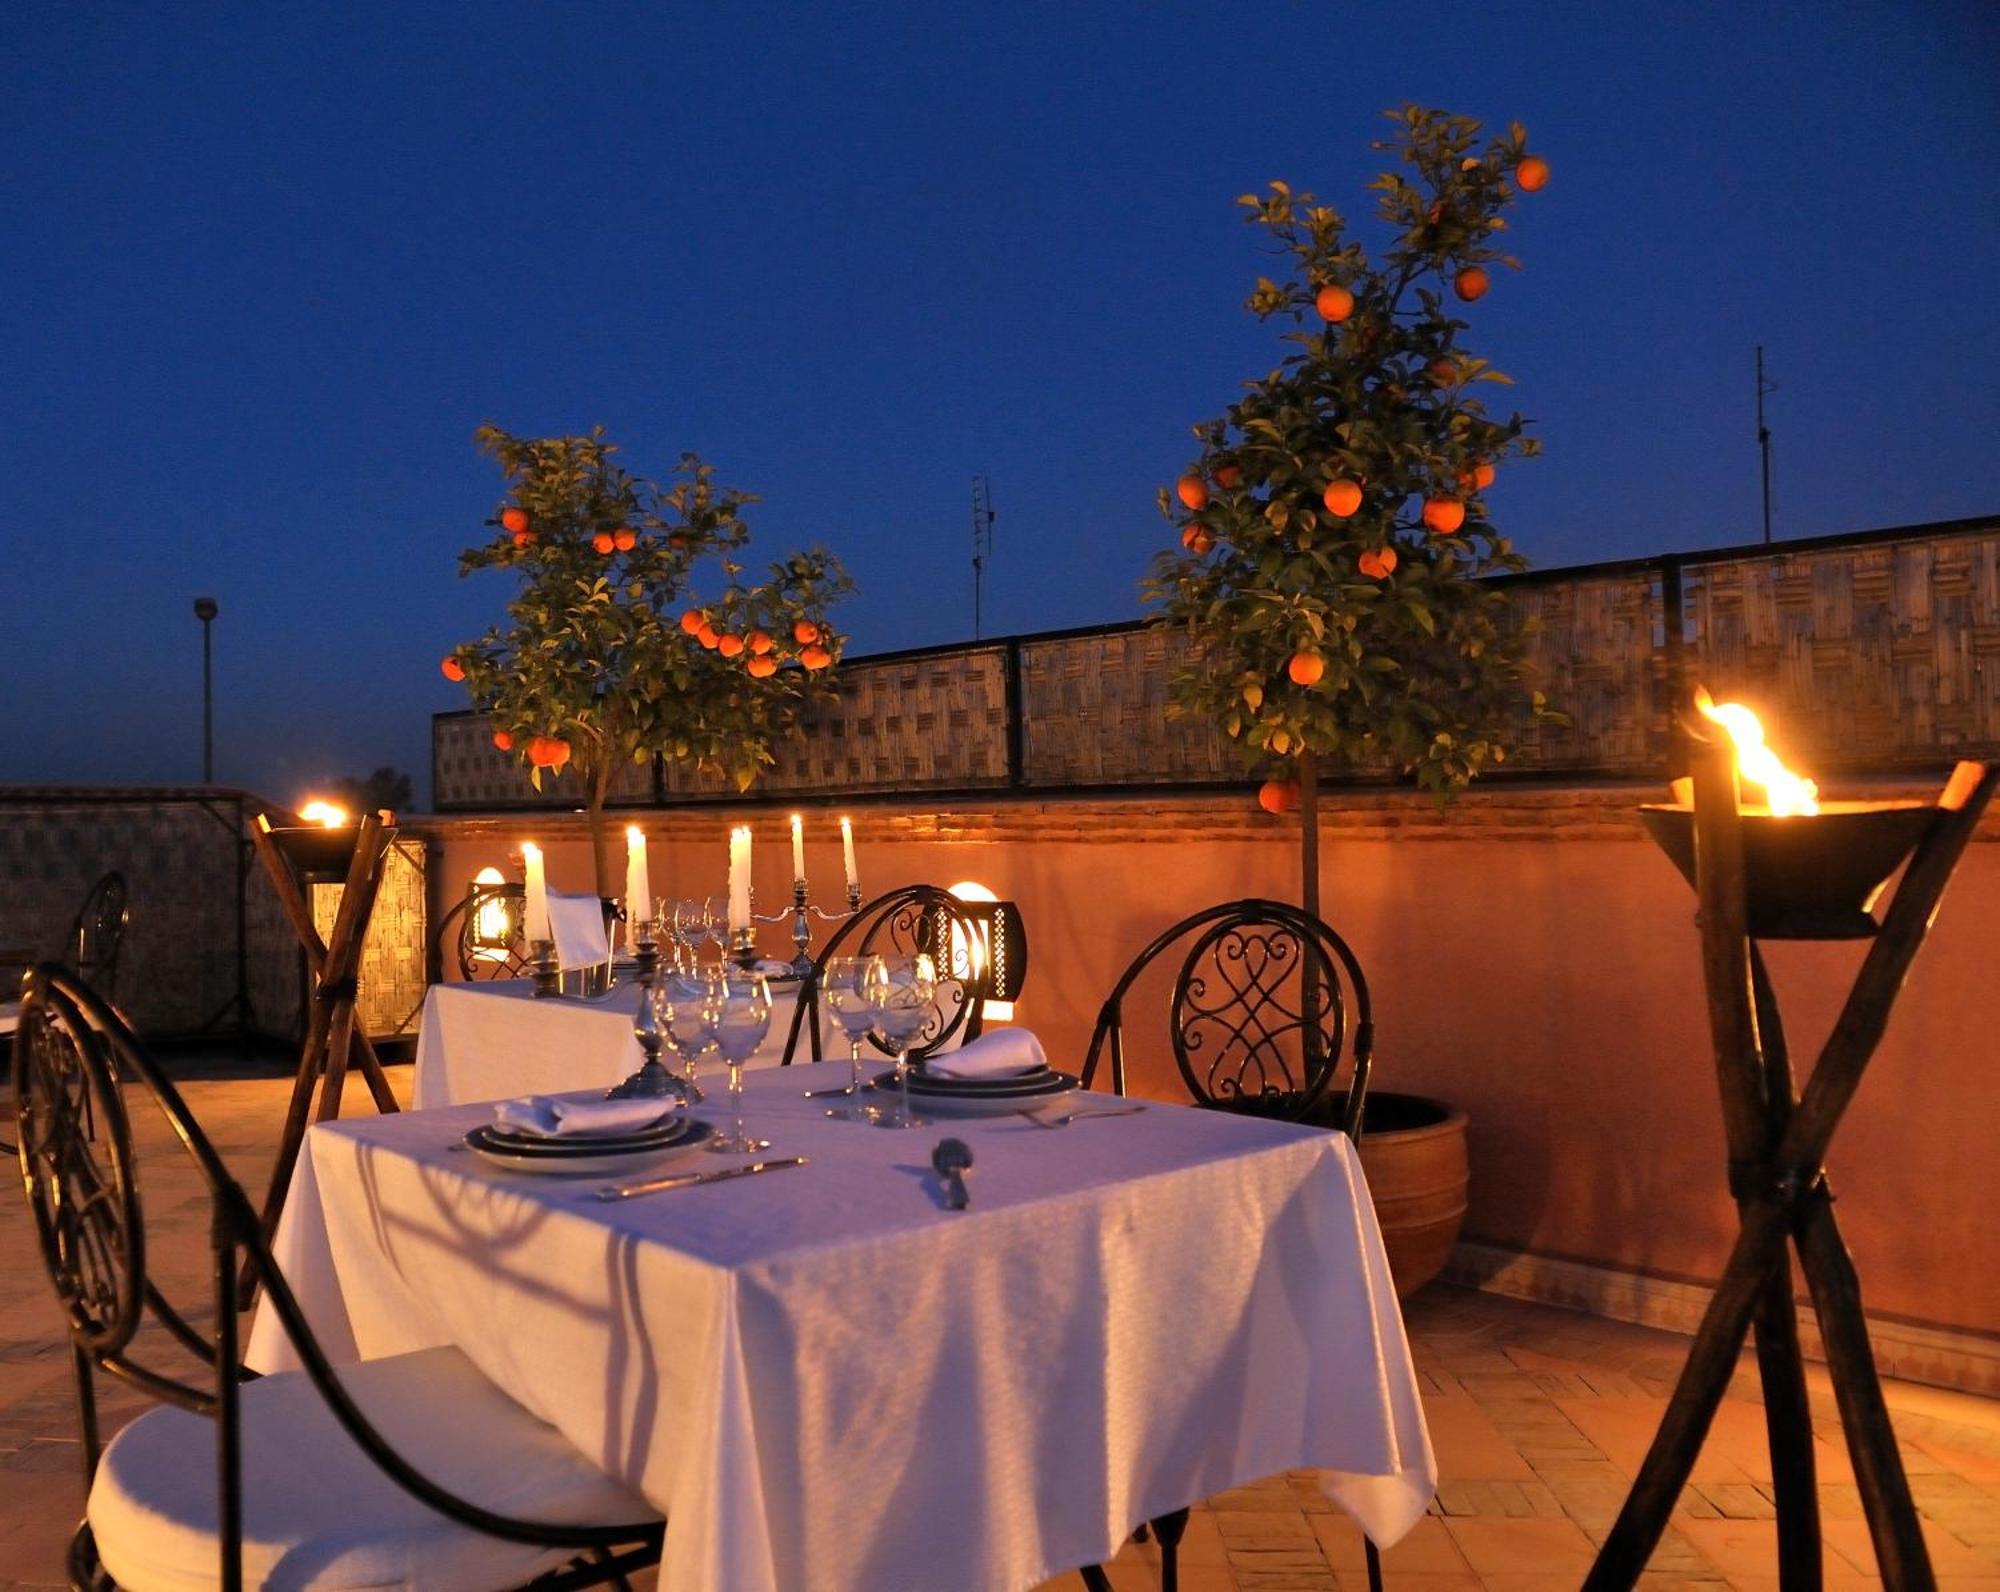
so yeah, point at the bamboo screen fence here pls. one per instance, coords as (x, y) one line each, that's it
(1876, 651)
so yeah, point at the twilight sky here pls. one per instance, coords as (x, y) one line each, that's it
(264, 268)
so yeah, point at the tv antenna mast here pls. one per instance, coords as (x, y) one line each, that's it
(1764, 437)
(982, 546)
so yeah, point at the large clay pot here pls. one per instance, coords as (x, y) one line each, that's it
(1413, 1150)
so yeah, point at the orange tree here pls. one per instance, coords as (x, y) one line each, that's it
(1335, 525)
(607, 658)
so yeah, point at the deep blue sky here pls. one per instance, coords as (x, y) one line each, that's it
(264, 268)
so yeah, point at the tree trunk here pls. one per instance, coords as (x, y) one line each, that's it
(1309, 833)
(610, 881)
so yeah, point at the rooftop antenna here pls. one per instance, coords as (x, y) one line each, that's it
(1764, 437)
(982, 546)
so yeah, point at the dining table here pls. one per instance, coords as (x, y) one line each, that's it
(825, 1376)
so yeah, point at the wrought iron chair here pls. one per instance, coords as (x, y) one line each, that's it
(1258, 1020)
(354, 1479)
(485, 933)
(916, 919)
(98, 933)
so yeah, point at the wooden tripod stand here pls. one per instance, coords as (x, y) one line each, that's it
(334, 1040)
(1777, 1145)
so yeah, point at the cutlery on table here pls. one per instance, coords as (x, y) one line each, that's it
(951, 1160)
(822, 1094)
(1068, 1117)
(655, 1185)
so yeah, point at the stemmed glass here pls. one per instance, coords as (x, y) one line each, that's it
(715, 923)
(845, 985)
(741, 1006)
(901, 990)
(685, 1013)
(690, 929)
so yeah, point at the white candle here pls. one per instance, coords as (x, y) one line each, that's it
(847, 853)
(638, 887)
(739, 878)
(798, 846)
(535, 919)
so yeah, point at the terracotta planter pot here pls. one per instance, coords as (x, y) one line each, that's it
(1413, 1150)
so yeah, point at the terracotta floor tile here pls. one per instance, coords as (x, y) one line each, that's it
(1496, 1547)
(1469, 1446)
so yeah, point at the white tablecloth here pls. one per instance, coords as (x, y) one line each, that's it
(824, 1379)
(493, 1041)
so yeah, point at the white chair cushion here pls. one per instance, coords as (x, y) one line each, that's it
(317, 1512)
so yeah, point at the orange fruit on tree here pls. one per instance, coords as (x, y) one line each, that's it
(524, 538)
(454, 671)
(759, 642)
(538, 751)
(514, 519)
(1278, 795)
(625, 538)
(709, 637)
(1470, 163)
(1342, 497)
(1532, 174)
(503, 740)
(1193, 491)
(1334, 303)
(762, 666)
(1378, 563)
(694, 621)
(1229, 476)
(1477, 479)
(1443, 372)
(805, 632)
(1196, 539)
(1306, 668)
(816, 658)
(603, 542)
(1444, 515)
(729, 646)
(558, 753)
(1471, 284)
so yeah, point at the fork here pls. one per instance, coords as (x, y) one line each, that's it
(1063, 1121)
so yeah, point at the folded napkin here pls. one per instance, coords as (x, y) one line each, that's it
(553, 1118)
(577, 924)
(1007, 1054)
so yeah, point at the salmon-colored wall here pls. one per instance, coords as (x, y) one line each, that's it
(1532, 959)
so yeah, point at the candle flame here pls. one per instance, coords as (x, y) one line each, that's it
(1785, 793)
(530, 849)
(634, 834)
(324, 813)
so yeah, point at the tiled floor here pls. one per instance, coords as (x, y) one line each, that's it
(1538, 1417)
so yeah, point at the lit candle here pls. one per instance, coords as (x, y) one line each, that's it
(798, 846)
(847, 853)
(739, 878)
(535, 917)
(638, 887)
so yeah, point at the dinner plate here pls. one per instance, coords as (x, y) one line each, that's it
(959, 1101)
(665, 1130)
(1042, 1080)
(583, 1159)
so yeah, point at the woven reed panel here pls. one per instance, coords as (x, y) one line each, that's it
(936, 722)
(392, 983)
(1599, 656)
(1885, 655)
(473, 772)
(1094, 712)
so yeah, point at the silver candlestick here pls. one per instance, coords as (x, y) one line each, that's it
(743, 946)
(652, 1081)
(547, 975)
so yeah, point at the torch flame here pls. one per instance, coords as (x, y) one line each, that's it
(324, 813)
(1786, 794)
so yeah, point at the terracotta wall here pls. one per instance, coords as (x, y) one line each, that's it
(1532, 959)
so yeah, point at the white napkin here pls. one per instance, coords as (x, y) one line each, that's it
(1008, 1053)
(577, 923)
(552, 1118)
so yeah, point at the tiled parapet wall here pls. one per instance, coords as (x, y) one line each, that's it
(1874, 651)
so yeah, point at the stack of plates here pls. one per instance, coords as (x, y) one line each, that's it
(578, 1154)
(937, 1095)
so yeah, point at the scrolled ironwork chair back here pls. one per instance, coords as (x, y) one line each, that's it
(913, 920)
(98, 933)
(477, 957)
(73, 1055)
(1264, 1001)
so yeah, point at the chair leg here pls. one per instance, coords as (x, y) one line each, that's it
(1095, 1578)
(1374, 1565)
(1169, 1528)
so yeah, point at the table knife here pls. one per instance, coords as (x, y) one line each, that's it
(654, 1185)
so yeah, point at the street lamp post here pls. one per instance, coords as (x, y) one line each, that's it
(205, 610)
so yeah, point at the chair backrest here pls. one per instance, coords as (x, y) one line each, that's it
(915, 919)
(97, 933)
(72, 1053)
(484, 934)
(1264, 1001)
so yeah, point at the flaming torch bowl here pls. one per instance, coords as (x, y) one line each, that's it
(1809, 877)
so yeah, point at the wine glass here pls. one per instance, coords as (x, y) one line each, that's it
(844, 986)
(741, 1006)
(715, 923)
(684, 1012)
(901, 990)
(690, 929)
